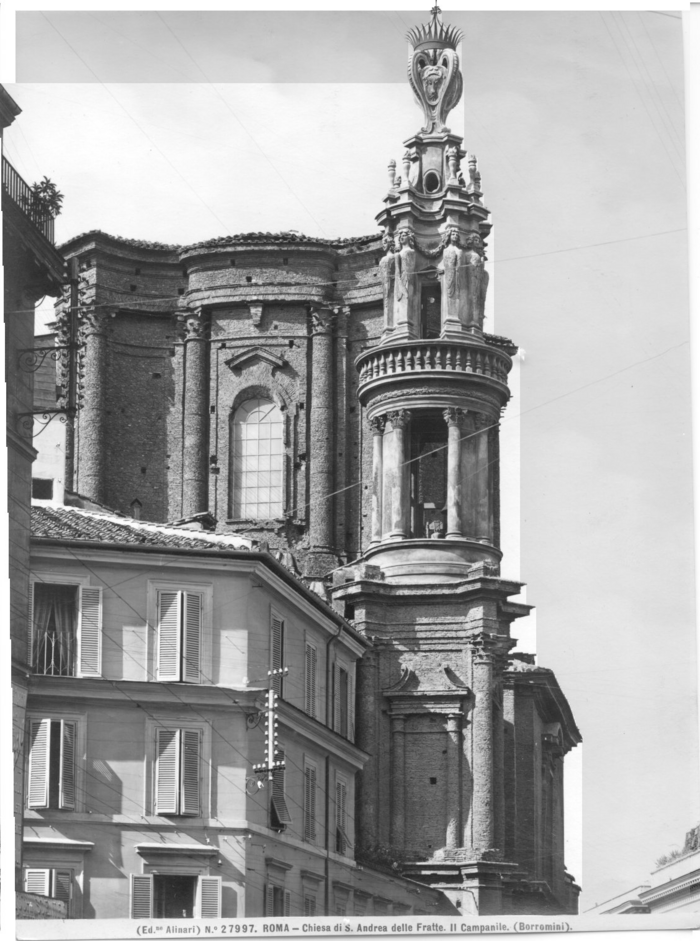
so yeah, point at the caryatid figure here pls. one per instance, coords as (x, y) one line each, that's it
(387, 271)
(407, 299)
(454, 287)
(477, 282)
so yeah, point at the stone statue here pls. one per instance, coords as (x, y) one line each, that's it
(387, 271)
(405, 264)
(477, 282)
(454, 289)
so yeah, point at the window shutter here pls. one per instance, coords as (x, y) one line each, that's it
(38, 772)
(90, 632)
(63, 885)
(340, 793)
(351, 705)
(169, 631)
(269, 900)
(310, 685)
(66, 784)
(30, 625)
(310, 804)
(141, 896)
(278, 802)
(210, 896)
(192, 640)
(336, 698)
(189, 803)
(309, 905)
(287, 903)
(36, 881)
(277, 651)
(167, 770)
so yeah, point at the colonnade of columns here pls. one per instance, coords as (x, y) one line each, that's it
(469, 507)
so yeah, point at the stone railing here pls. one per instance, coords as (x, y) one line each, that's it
(432, 356)
(39, 906)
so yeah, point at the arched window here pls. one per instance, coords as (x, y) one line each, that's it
(257, 460)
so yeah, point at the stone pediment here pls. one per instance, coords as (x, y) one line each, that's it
(246, 357)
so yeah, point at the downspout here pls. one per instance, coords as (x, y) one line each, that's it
(327, 888)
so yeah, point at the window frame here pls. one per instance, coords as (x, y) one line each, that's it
(277, 683)
(80, 582)
(277, 785)
(310, 688)
(336, 712)
(79, 762)
(51, 874)
(341, 817)
(169, 723)
(309, 822)
(147, 883)
(206, 591)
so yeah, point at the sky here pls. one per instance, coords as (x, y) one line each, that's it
(177, 127)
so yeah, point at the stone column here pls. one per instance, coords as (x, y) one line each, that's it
(495, 478)
(400, 502)
(454, 803)
(455, 429)
(468, 477)
(92, 460)
(377, 425)
(499, 803)
(321, 430)
(196, 416)
(482, 836)
(398, 810)
(482, 471)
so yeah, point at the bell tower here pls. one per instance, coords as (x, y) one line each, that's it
(441, 707)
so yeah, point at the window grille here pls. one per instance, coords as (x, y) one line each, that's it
(258, 457)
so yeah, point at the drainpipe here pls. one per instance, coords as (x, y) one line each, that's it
(327, 888)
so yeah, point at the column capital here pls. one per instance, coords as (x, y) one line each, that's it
(481, 421)
(455, 416)
(378, 424)
(323, 319)
(485, 647)
(400, 418)
(195, 324)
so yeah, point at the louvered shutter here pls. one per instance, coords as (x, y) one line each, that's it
(36, 881)
(189, 801)
(287, 903)
(169, 635)
(210, 896)
(30, 625)
(90, 632)
(192, 641)
(38, 771)
(167, 770)
(66, 784)
(278, 802)
(336, 698)
(310, 678)
(276, 651)
(309, 905)
(310, 804)
(63, 886)
(340, 793)
(269, 900)
(351, 705)
(141, 896)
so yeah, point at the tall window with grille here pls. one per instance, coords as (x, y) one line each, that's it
(177, 772)
(65, 629)
(257, 461)
(51, 780)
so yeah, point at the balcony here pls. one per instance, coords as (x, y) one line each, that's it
(22, 195)
(419, 360)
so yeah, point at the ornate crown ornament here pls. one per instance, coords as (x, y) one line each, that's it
(433, 69)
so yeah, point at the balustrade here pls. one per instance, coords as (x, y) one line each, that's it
(433, 356)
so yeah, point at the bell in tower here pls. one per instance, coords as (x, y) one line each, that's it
(456, 725)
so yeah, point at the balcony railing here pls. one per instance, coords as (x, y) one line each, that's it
(25, 199)
(432, 356)
(54, 653)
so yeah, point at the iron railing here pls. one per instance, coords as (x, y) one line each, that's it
(25, 199)
(54, 653)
